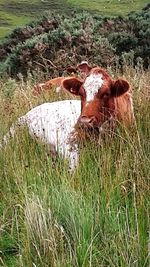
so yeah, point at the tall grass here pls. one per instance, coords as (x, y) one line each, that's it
(97, 216)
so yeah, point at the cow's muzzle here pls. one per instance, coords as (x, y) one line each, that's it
(87, 122)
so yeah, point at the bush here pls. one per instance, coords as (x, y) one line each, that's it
(60, 41)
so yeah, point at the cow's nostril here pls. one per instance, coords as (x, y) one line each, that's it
(87, 120)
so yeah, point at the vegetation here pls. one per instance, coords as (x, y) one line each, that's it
(55, 42)
(14, 13)
(110, 7)
(97, 216)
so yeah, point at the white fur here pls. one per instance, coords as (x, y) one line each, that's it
(53, 123)
(92, 84)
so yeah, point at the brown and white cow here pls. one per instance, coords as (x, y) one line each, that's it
(47, 86)
(102, 98)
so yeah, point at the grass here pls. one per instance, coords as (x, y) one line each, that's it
(110, 7)
(18, 13)
(98, 216)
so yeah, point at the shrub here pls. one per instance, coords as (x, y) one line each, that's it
(60, 41)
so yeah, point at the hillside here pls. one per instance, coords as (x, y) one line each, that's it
(60, 42)
(16, 13)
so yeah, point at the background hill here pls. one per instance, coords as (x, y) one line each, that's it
(54, 42)
(16, 13)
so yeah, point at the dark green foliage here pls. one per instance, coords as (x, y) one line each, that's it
(20, 35)
(123, 41)
(55, 42)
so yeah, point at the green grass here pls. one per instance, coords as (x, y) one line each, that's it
(11, 21)
(109, 7)
(17, 13)
(98, 216)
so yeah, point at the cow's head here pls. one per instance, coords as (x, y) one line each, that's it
(97, 93)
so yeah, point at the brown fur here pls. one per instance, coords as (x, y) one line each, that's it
(113, 99)
(47, 86)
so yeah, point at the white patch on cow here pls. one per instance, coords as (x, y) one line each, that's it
(52, 123)
(92, 84)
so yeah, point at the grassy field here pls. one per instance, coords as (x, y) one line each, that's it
(98, 216)
(109, 7)
(17, 13)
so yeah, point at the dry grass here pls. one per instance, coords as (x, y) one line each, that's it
(99, 216)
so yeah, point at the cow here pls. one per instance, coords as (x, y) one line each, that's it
(102, 98)
(61, 124)
(42, 87)
(57, 83)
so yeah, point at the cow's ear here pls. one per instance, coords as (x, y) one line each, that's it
(72, 85)
(84, 67)
(119, 87)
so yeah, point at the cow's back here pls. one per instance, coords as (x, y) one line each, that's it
(52, 122)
